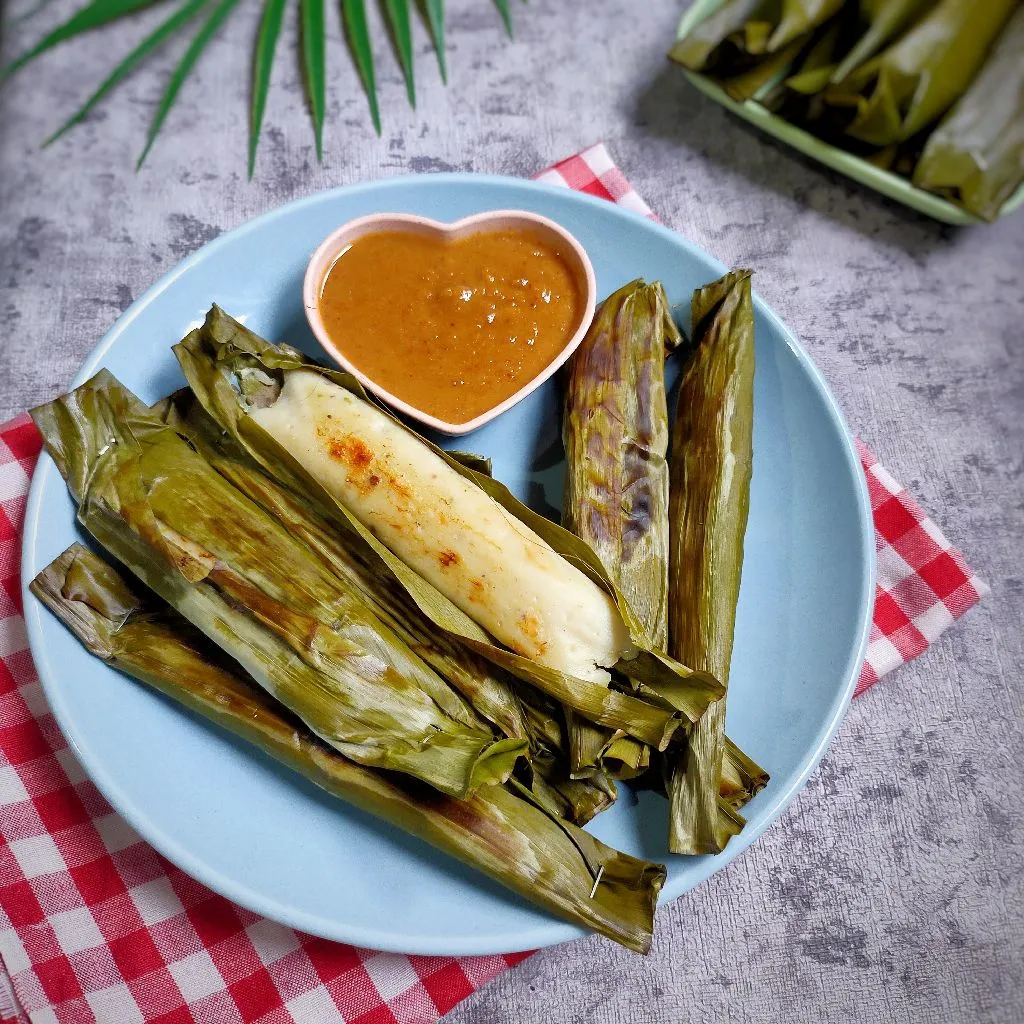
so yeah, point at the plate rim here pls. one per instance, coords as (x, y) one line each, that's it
(554, 930)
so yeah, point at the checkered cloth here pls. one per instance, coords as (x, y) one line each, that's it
(95, 926)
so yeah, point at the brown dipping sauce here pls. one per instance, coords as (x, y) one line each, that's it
(452, 327)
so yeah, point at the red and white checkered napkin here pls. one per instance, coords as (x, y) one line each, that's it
(95, 926)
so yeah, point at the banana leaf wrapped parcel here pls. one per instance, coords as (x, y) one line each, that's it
(213, 554)
(911, 84)
(616, 431)
(879, 22)
(497, 830)
(976, 155)
(494, 693)
(506, 582)
(856, 33)
(489, 689)
(744, 44)
(740, 33)
(928, 90)
(710, 468)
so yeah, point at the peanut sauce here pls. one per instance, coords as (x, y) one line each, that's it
(455, 327)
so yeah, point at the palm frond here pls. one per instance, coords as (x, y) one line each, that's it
(314, 60)
(506, 14)
(362, 51)
(435, 19)
(152, 42)
(401, 28)
(312, 45)
(208, 30)
(97, 13)
(263, 62)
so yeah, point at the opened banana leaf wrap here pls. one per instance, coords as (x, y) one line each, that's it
(976, 155)
(496, 830)
(710, 468)
(518, 710)
(744, 44)
(230, 370)
(911, 84)
(490, 691)
(241, 578)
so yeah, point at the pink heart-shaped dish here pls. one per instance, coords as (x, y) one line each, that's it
(460, 312)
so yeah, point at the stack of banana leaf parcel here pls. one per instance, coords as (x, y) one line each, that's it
(278, 553)
(930, 89)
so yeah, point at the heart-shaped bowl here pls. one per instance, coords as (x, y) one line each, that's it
(336, 243)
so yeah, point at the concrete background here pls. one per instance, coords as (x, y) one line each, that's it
(891, 890)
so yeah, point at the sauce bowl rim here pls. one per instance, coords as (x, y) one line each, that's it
(327, 252)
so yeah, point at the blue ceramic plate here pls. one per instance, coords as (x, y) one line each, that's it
(265, 838)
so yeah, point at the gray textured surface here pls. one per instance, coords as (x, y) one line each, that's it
(891, 890)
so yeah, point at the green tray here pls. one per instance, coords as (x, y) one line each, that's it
(892, 185)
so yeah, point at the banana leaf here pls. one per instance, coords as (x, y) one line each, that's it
(744, 44)
(748, 84)
(710, 468)
(228, 368)
(489, 690)
(615, 429)
(742, 778)
(912, 83)
(798, 96)
(851, 38)
(728, 39)
(548, 773)
(575, 800)
(151, 500)
(976, 155)
(496, 830)
(801, 17)
(881, 21)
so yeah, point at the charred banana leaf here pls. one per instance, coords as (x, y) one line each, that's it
(615, 429)
(487, 688)
(710, 468)
(496, 830)
(151, 500)
(236, 376)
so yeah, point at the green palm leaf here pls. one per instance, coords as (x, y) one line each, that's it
(99, 12)
(362, 51)
(192, 54)
(398, 17)
(263, 61)
(313, 45)
(435, 18)
(506, 15)
(153, 41)
(314, 62)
